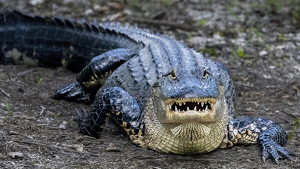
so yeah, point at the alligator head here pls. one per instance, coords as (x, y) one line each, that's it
(187, 111)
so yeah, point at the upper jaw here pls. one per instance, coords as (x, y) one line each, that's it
(189, 109)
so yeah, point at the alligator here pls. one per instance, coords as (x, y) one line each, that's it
(164, 95)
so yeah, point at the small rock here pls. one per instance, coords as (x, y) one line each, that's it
(272, 67)
(35, 2)
(263, 53)
(280, 47)
(63, 125)
(112, 148)
(290, 46)
(217, 36)
(279, 53)
(297, 37)
(29, 136)
(197, 40)
(13, 132)
(88, 12)
(15, 155)
(267, 76)
(128, 12)
(80, 148)
(249, 109)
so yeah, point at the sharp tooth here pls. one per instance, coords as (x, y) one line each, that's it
(202, 104)
(188, 109)
(195, 109)
(176, 108)
(206, 108)
(198, 103)
(183, 103)
(180, 104)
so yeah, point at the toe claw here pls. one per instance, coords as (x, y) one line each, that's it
(264, 159)
(80, 115)
(84, 111)
(291, 152)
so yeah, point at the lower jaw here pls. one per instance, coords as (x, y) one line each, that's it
(191, 131)
(202, 139)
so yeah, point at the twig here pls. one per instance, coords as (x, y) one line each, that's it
(42, 111)
(5, 93)
(290, 114)
(25, 72)
(162, 23)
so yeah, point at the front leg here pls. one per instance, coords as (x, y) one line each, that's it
(111, 102)
(269, 136)
(93, 76)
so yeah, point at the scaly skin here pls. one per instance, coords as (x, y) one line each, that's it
(165, 96)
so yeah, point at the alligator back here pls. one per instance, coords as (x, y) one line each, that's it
(55, 42)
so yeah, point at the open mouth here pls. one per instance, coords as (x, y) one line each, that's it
(196, 105)
(191, 109)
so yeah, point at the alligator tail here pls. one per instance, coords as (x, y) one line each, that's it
(54, 42)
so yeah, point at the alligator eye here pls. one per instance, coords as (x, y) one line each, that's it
(205, 74)
(172, 74)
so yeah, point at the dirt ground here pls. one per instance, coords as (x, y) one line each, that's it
(259, 42)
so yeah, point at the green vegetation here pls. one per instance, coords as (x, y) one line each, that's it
(240, 53)
(296, 16)
(275, 5)
(257, 33)
(202, 22)
(8, 108)
(230, 7)
(133, 4)
(189, 37)
(281, 37)
(39, 80)
(220, 33)
(295, 125)
(268, 47)
(56, 115)
(210, 51)
(167, 2)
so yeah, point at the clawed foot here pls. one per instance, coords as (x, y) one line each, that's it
(73, 92)
(274, 151)
(81, 119)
